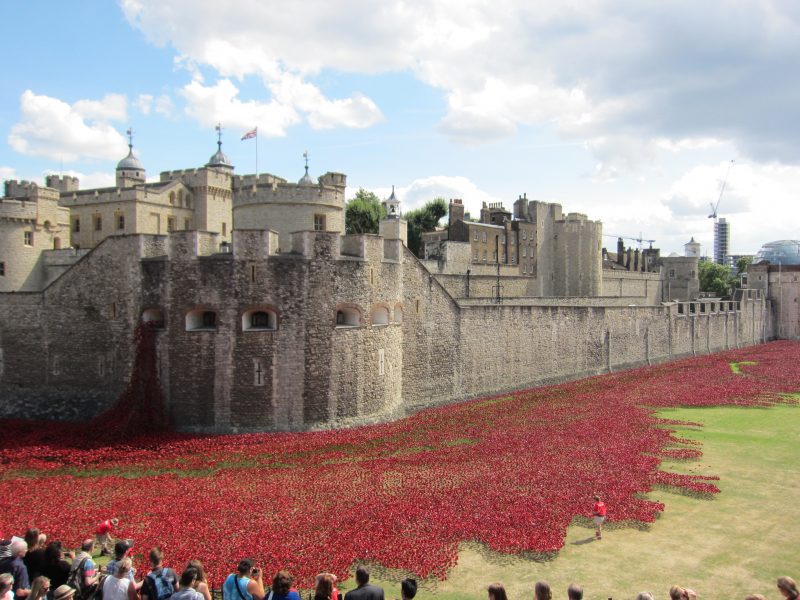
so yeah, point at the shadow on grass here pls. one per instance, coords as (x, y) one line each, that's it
(680, 491)
(587, 540)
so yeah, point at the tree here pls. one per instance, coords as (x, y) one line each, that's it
(741, 264)
(423, 219)
(715, 278)
(363, 213)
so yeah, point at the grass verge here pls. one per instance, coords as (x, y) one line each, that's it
(728, 546)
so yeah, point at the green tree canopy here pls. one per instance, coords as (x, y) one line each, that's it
(423, 219)
(741, 264)
(363, 213)
(715, 278)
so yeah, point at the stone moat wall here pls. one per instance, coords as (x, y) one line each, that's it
(360, 332)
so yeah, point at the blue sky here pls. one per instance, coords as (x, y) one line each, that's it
(627, 111)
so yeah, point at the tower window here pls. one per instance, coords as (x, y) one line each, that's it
(76, 226)
(2, 269)
(259, 319)
(319, 222)
(98, 223)
(28, 238)
(120, 222)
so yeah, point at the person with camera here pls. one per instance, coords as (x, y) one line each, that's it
(246, 584)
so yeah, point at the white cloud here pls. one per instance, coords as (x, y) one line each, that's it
(164, 105)
(757, 199)
(7, 173)
(52, 128)
(605, 72)
(112, 107)
(219, 103)
(144, 102)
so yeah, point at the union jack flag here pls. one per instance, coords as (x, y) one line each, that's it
(250, 134)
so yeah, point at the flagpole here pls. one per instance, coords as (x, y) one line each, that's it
(256, 155)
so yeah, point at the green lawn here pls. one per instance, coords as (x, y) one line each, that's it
(729, 546)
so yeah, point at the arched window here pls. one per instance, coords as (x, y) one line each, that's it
(180, 197)
(380, 315)
(172, 197)
(56, 243)
(154, 316)
(348, 317)
(398, 313)
(259, 319)
(201, 320)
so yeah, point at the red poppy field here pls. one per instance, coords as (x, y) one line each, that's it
(511, 471)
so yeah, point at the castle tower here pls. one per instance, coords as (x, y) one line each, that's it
(130, 171)
(393, 227)
(691, 249)
(392, 206)
(31, 221)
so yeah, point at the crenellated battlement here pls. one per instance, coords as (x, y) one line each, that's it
(17, 209)
(262, 244)
(105, 195)
(283, 193)
(28, 190)
(203, 176)
(243, 181)
(63, 184)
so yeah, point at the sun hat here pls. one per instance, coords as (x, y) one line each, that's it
(63, 592)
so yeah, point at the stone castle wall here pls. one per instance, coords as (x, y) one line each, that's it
(404, 342)
(271, 203)
(31, 222)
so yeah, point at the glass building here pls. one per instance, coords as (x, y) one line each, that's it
(784, 252)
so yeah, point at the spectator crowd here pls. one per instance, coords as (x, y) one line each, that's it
(31, 568)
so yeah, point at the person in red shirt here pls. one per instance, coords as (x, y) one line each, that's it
(599, 514)
(104, 538)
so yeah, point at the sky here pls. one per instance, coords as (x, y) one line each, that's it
(635, 113)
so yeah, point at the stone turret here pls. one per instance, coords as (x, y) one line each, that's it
(393, 227)
(130, 171)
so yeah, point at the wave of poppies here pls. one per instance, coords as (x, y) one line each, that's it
(510, 471)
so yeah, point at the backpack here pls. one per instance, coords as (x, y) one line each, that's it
(75, 577)
(161, 584)
(75, 580)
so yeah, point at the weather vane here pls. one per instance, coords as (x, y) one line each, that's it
(130, 137)
(218, 128)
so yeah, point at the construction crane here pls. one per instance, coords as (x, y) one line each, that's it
(721, 231)
(714, 207)
(638, 240)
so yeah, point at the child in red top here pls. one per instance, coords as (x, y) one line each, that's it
(599, 514)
